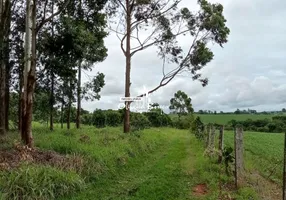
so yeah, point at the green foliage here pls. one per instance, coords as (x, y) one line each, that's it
(91, 89)
(39, 182)
(158, 119)
(113, 118)
(228, 158)
(197, 127)
(181, 103)
(183, 123)
(139, 122)
(98, 118)
(86, 119)
(261, 125)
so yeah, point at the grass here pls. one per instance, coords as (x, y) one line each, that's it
(263, 153)
(224, 118)
(39, 182)
(154, 164)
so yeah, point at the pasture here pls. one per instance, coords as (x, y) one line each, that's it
(224, 118)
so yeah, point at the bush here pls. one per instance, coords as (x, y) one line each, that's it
(271, 127)
(197, 127)
(38, 182)
(183, 122)
(262, 129)
(279, 118)
(113, 118)
(139, 121)
(98, 118)
(86, 119)
(158, 119)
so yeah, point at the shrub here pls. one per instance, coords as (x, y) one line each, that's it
(86, 119)
(197, 127)
(139, 122)
(98, 118)
(262, 129)
(271, 127)
(279, 118)
(158, 119)
(38, 182)
(183, 122)
(113, 118)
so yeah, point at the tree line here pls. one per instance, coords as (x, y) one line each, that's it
(45, 45)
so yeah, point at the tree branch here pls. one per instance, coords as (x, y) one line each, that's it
(155, 42)
(44, 21)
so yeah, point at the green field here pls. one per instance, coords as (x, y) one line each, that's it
(224, 118)
(263, 153)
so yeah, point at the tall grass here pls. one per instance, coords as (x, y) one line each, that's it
(103, 151)
(39, 182)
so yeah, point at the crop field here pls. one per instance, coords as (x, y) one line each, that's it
(263, 153)
(224, 118)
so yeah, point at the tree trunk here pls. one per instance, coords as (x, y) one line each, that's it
(52, 102)
(69, 115)
(20, 99)
(62, 117)
(29, 74)
(78, 98)
(7, 97)
(128, 67)
(8, 71)
(5, 15)
(2, 95)
(52, 82)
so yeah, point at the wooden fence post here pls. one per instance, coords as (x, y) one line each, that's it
(220, 145)
(212, 138)
(284, 170)
(208, 135)
(238, 146)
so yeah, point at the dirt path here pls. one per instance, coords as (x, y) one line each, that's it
(158, 176)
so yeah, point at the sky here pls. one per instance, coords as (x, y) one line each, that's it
(249, 72)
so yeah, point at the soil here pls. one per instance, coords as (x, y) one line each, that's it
(200, 190)
(12, 158)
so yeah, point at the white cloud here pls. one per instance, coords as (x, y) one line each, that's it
(248, 72)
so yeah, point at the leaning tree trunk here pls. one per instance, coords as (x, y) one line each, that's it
(29, 74)
(78, 97)
(128, 67)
